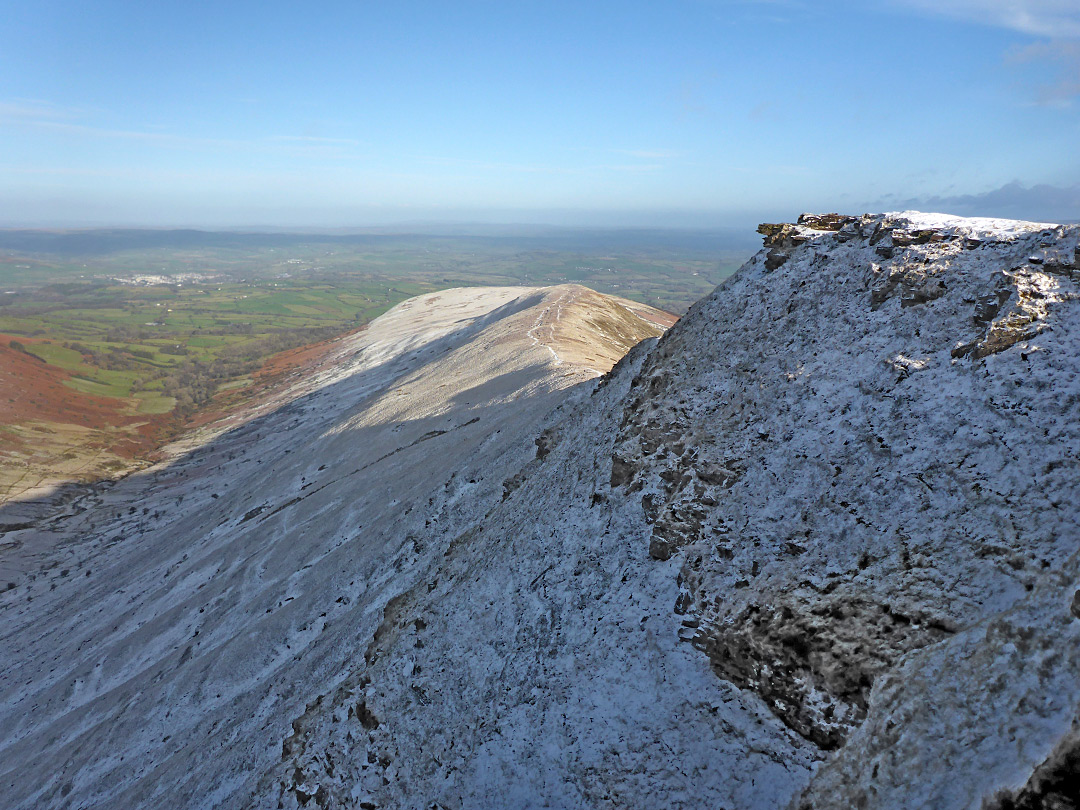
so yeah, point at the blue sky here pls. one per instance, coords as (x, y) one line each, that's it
(688, 112)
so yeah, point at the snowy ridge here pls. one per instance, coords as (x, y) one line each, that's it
(165, 633)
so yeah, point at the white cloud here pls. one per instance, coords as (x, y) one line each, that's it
(1055, 19)
(1040, 203)
(316, 140)
(32, 110)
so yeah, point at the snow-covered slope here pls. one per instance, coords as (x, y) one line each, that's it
(816, 547)
(161, 635)
(871, 497)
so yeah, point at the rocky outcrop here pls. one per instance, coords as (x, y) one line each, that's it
(874, 468)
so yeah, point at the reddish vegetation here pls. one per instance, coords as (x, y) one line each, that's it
(301, 357)
(31, 390)
(51, 433)
(33, 393)
(657, 317)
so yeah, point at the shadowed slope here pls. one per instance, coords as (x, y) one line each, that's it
(166, 630)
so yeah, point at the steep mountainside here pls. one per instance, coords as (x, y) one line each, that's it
(160, 635)
(816, 547)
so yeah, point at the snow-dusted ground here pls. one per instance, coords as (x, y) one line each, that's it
(158, 644)
(817, 547)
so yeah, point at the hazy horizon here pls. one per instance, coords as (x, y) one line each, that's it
(432, 223)
(385, 220)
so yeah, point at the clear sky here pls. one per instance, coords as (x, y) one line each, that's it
(677, 112)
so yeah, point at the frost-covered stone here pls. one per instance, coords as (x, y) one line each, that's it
(906, 476)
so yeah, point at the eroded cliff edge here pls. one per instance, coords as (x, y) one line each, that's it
(869, 490)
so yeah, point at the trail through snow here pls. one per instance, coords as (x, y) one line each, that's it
(568, 297)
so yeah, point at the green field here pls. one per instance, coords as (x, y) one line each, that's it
(175, 345)
(168, 326)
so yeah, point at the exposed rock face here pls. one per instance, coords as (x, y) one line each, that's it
(898, 440)
(816, 547)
